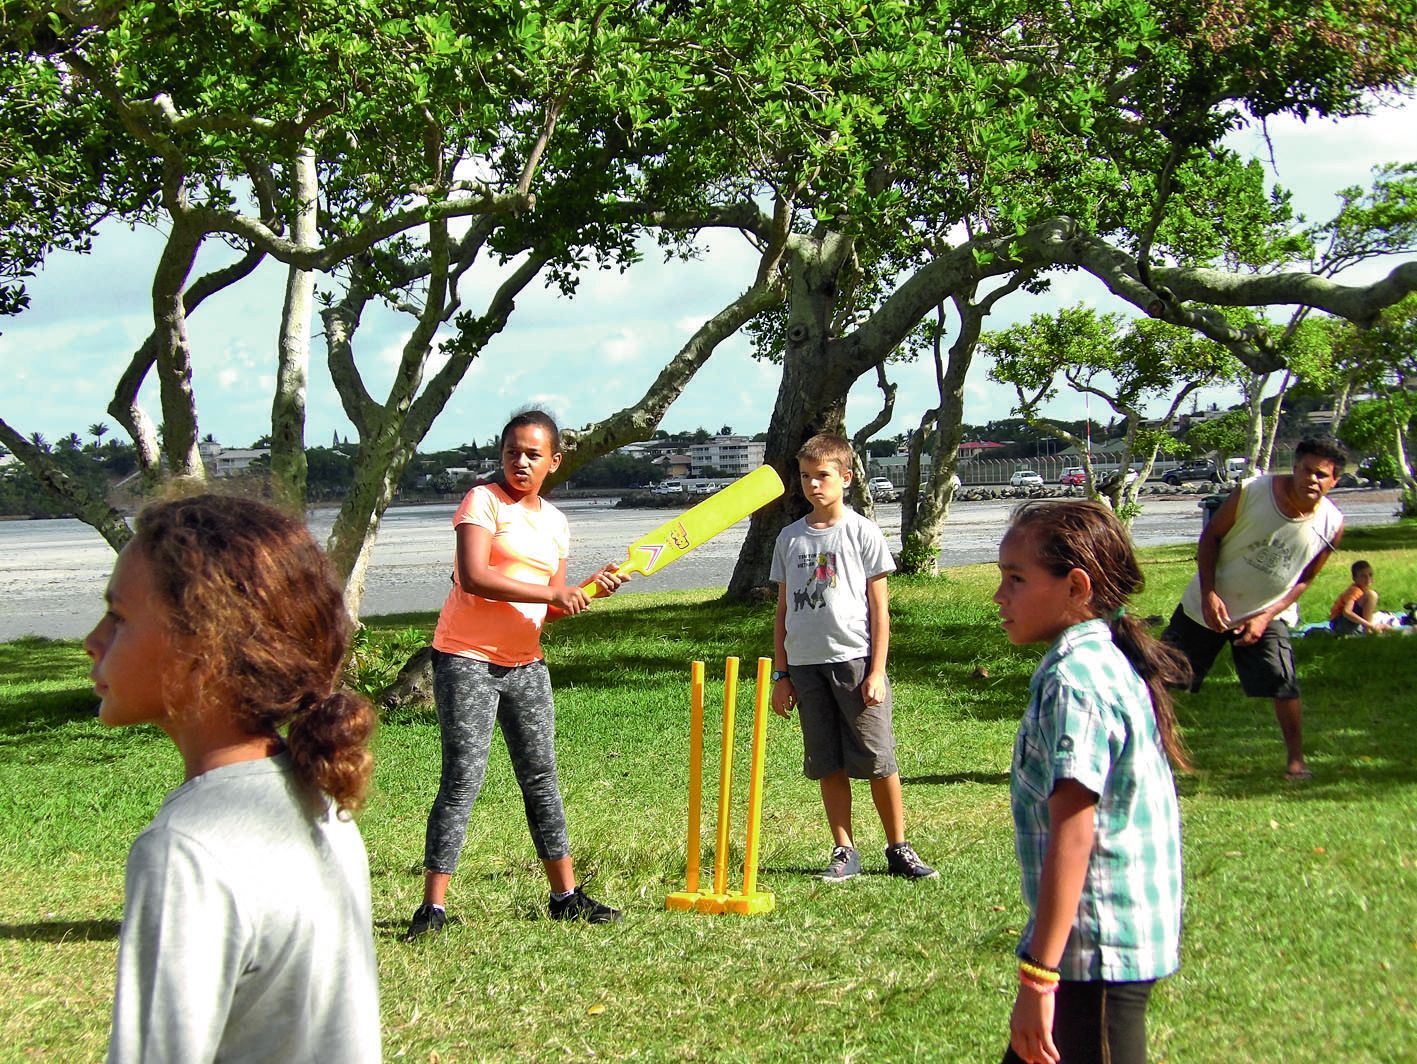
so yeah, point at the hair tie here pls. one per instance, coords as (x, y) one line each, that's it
(1118, 614)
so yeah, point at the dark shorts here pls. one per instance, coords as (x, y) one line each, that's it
(1098, 1023)
(839, 731)
(1341, 625)
(1265, 668)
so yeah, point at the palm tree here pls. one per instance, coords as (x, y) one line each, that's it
(98, 430)
(40, 443)
(71, 442)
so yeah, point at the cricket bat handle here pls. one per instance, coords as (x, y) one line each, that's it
(592, 589)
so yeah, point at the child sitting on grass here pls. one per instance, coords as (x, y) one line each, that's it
(1356, 609)
(246, 926)
(1096, 818)
(830, 640)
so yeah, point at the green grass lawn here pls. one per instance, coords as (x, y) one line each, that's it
(1300, 940)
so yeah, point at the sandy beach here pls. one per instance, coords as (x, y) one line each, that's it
(52, 573)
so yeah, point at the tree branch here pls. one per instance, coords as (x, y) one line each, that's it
(89, 508)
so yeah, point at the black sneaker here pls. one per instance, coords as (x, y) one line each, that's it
(426, 918)
(578, 905)
(845, 864)
(902, 860)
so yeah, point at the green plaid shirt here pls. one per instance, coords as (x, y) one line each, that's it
(1090, 719)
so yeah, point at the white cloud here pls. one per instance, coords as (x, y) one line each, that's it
(621, 347)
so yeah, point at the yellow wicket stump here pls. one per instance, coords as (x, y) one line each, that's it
(717, 899)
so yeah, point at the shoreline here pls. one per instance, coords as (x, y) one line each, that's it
(53, 571)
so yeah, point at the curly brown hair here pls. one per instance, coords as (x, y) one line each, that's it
(250, 589)
(1081, 534)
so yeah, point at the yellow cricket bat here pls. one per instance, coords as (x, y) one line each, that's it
(698, 524)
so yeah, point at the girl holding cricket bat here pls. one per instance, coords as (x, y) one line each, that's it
(246, 925)
(508, 579)
(1097, 823)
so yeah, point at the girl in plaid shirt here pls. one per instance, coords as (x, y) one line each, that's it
(1096, 819)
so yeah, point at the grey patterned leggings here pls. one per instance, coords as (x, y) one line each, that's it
(471, 696)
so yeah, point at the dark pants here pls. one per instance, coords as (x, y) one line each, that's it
(471, 696)
(1098, 1023)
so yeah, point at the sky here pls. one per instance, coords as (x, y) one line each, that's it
(582, 358)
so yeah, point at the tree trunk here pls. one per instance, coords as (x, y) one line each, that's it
(811, 398)
(1272, 423)
(378, 465)
(922, 533)
(125, 410)
(1254, 409)
(288, 465)
(1341, 398)
(174, 353)
(860, 490)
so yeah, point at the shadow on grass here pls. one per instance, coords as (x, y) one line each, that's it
(1358, 734)
(988, 779)
(32, 659)
(62, 931)
(37, 713)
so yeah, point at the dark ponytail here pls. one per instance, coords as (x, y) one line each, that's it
(1162, 667)
(1081, 534)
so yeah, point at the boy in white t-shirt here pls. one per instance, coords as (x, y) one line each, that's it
(830, 637)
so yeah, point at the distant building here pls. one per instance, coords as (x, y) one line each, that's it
(732, 455)
(675, 465)
(232, 462)
(228, 461)
(978, 449)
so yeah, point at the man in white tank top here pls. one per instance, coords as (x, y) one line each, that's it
(1258, 554)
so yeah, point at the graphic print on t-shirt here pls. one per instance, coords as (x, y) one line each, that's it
(1273, 558)
(813, 593)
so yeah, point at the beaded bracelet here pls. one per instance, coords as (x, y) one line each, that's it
(1035, 985)
(1034, 971)
(1031, 959)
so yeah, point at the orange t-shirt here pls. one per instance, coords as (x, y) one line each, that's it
(527, 545)
(1349, 598)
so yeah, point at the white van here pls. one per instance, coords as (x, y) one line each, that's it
(881, 489)
(669, 487)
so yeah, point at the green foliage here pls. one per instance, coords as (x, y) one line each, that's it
(378, 654)
(917, 556)
(95, 468)
(1225, 435)
(1380, 220)
(619, 471)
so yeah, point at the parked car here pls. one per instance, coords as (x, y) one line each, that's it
(1073, 477)
(1025, 478)
(1191, 471)
(881, 489)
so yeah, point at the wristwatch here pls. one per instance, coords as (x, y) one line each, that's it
(779, 674)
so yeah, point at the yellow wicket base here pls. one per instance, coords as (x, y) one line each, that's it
(682, 901)
(754, 904)
(713, 904)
